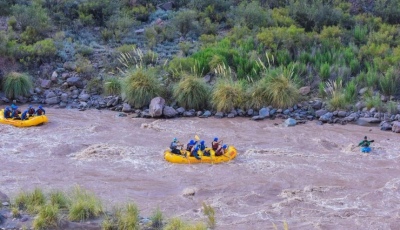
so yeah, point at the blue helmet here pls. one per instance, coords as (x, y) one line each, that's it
(197, 148)
(225, 146)
(13, 106)
(7, 108)
(40, 107)
(202, 142)
(30, 106)
(215, 138)
(191, 142)
(175, 139)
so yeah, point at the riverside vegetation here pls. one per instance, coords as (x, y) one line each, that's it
(258, 53)
(61, 210)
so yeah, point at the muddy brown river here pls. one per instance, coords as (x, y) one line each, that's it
(310, 176)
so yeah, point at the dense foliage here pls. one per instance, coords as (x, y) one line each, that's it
(354, 42)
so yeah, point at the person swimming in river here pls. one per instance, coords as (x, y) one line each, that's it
(365, 145)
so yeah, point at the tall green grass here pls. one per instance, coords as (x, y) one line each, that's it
(389, 83)
(228, 95)
(141, 86)
(157, 219)
(129, 218)
(209, 212)
(84, 205)
(17, 84)
(112, 86)
(375, 102)
(191, 92)
(178, 224)
(48, 217)
(59, 199)
(350, 92)
(334, 90)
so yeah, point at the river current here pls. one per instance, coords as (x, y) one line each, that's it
(310, 176)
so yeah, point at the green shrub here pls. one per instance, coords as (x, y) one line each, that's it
(360, 34)
(141, 86)
(112, 86)
(178, 66)
(15, 212)
(389, 83)
(21, 200)
(281, 88)
(391, 107)
(83, 65)
(209, 212)
(334, 90)
(96, 12)
(12, 22)
(191, 92)
(59, 199)
(48, 217)
(374, 102)
(17, 84)
(178, 224)
(126, 48)
(33, 16)
(84, 205)
(129, 218)
(324, 71)
(185, 48)
(228, 95)
(157, 219)
(94, 86)
(350, 92)
(251, 15)
(185, 21)
(151, 37)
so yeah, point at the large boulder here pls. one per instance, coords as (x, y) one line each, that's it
(169, 112)
(126, 108)
(206, 114)
(156, 107)
(369, 120)
(44, 83)
(84, 97)
(385, 126)
(52, 98)
(396, 127)
(326, 117)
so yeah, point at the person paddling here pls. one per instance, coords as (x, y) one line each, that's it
(174, 146)
(365, 145)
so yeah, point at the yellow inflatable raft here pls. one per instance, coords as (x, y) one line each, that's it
(184, 158)
(31, 121)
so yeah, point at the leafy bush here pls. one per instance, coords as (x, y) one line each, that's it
(350, 92)
(185, 21)
(112, 86)
(96, 12)
(391, 107)
(95, 86)
(83, 65)
(227, 95)
(17, 84)
(140, 86)
(151, 37)
(84, 205)
(251, 15)
(191, 92)
(33, 16)
(374, 102)
(59, 199)
(129, 218)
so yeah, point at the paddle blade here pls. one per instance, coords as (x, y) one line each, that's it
(196, 137)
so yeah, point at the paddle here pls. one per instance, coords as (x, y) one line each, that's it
(197, 138)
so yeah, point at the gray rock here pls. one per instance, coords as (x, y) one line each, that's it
(145, 114)
(396, 127)
(256, 118)
(231, 115)
(180, 110)
(206, 114)
(264, 112)
(126, 108)
(65, 76)
(51, 94)
(139, 31)
(363, 90)
(52, 100)
(4, 198)
(156, 107)
(70, 66)
(62, 104)
(320, 112)
(166, 6)
(286, 112)
(342, 113)
(385, 126)
(112, 101)
(241, 112)
(326, 117)
(317, 105)
(199, 113)
(207, 78)
(369, 120)
(219, 115)
(190, 113)
(64, 97)
(279, 111)
(250, 112)
(46, 84)
(305, 90)
(290, 122)
(189, 192)
(84, 97)
(272, 112)
(397, 117)
(75, 81)
(360, 105)
(54, 76)
(83, 105)
(169, 112)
